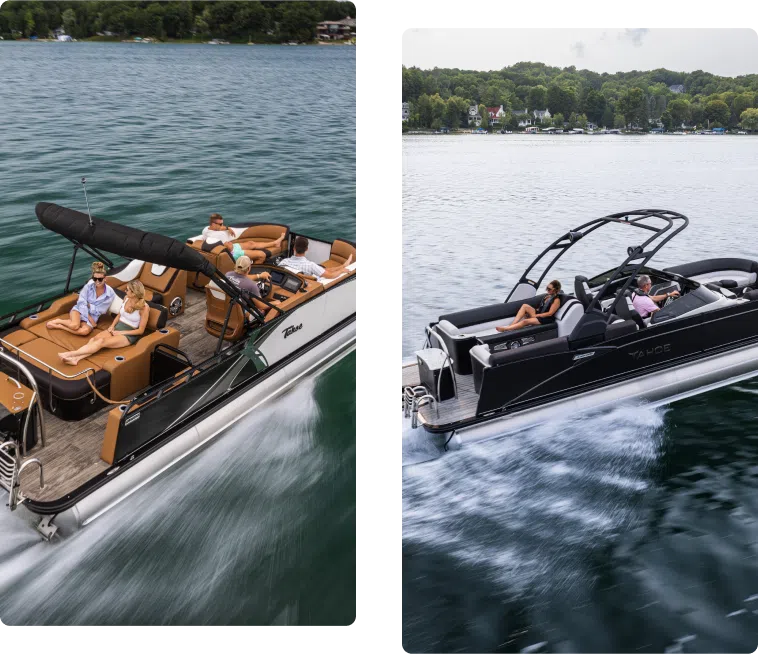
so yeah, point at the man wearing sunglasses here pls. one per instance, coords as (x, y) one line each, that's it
(95, 299)
(218, 232)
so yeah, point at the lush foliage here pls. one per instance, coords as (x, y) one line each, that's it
(636, 99)
(267, 21)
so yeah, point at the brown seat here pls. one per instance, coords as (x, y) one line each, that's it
(310, 289)
(217, 304)
(165, 286)
(339, 253)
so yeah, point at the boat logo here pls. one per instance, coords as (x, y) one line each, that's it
(288, 331)
(131, 419)
(651, 351)
(583, 356)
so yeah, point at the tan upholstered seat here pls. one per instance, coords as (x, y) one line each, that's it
(339, 253)
(220, 257)
(165, 286)
(217, 304)
(310, 289)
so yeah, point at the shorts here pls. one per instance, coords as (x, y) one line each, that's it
(83, 309)
(123, 327)
(237, 251)
(546, 321)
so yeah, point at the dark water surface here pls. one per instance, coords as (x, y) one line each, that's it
(260, 527)
(629, 530)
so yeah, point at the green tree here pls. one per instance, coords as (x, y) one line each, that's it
(633, 106)
(581, 121)
(740, 103)
(436, 124)
(298, 21)
(485, 116)
(607, 119)
(667, 120)
(561, 99)
(619, 121)
(594, 106)
(558, 120)
(697, 113)
(537, 98)
(572, 121)
(717, 111)
(680, 111)
(749, 119)
(424, 108)
(69, 21)
(28, 23)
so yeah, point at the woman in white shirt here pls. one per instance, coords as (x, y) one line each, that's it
(126, 328)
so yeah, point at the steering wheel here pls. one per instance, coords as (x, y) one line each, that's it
(265, 287)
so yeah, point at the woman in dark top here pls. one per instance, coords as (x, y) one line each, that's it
(544, 314)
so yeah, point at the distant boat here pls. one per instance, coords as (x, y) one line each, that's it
(218, 42)
(741, 132)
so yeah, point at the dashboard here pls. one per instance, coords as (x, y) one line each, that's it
(279, 277)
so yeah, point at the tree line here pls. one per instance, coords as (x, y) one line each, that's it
(441, 97)
(234, 21)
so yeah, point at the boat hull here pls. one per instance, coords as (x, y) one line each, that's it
(655, 388)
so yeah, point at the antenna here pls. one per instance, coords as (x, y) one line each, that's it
(84, 186)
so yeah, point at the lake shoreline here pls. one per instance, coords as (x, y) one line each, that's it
(152, 41)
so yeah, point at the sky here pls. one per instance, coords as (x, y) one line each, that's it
(727, 52)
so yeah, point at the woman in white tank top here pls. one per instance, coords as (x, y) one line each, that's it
(125, 329)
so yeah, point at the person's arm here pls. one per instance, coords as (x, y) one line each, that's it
(143, 318)
(556, 304)
(663, 296)
(112, 328)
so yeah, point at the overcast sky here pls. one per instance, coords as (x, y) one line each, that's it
(726, 52)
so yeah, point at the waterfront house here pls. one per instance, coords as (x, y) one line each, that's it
(406, 110)
(473, 115)
(541, 115)
(496, 113)
(336, 30)
(591, 125)
(524, 119)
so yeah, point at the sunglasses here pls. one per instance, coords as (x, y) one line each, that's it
(99, 280)
(549, 289)
(221, 224)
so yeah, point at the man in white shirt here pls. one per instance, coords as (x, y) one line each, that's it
(216, 232)
(300, 264)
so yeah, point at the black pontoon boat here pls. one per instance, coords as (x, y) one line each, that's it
(471, 382)
(75, 440)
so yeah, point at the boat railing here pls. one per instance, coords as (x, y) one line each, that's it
(12, 465)
(43, 364)
(9, 318)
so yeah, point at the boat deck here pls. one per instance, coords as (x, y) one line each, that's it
(458, 408)
(71, 455)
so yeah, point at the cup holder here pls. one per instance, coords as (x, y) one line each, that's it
(122, 407)
(120, 358)
(34, 316)
(163, 331)
(18, 396)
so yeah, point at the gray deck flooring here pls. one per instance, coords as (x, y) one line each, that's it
(71, 455)
(452, 410)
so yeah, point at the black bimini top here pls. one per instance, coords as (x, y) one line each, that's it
(122, 240)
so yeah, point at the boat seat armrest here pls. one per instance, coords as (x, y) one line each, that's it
(448, 328)
(62, 305)
(481, 353)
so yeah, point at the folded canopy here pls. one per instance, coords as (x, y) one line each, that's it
(122, 240)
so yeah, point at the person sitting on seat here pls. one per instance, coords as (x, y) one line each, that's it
(544, 315)
(245, 282)
(126, 328)
(304, 266)
(646, 304)
(253, 249)
(94, 299)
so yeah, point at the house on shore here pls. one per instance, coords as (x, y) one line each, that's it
(496, 113)
(406, 110)
(541, 115)
(524, 118)
(336, 30)
(473, 116)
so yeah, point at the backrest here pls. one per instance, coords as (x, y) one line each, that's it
(264, 232)
(156, 277)
(568, 314)
(341, 250)
(158, 313)
(624, 308)
(582, 290)
(217, 304)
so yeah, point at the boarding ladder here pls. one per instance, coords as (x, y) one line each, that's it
(12, 452)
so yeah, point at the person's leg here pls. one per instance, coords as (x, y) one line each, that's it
(73, 322)
(104, 340)
(526, 322)
(257, 245)
(256, 256)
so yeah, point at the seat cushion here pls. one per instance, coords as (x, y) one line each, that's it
(47, 352)
(63, 339)
(18, 336)
(341, 250)
(150, 295)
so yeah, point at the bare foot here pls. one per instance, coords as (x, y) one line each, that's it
(501, 329)
(280, 239)
(64, 356)
(349, 260)
(53, 324)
